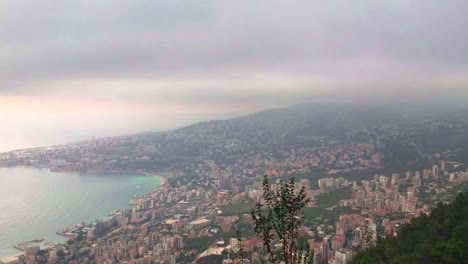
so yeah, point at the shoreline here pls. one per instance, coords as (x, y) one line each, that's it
(162, 179)
(11, 258)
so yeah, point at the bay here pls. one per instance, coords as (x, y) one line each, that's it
(36, 203)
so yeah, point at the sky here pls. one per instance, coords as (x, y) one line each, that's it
(73, 70)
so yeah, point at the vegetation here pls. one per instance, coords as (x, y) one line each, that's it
(236, 209)
(200, 243)
(278, 220)
(213, 258)
(441, 237)
(325, 201)
(332, 198)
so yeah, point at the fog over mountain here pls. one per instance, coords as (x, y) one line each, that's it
(75, 70)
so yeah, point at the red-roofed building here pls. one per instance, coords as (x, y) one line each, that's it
(338, 242)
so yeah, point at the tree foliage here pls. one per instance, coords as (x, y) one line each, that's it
(441, 237)
(277, 221)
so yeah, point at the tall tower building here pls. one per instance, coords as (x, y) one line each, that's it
(435, 171)
(325, 250)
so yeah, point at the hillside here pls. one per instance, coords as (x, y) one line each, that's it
(441, 237)
(319, 136)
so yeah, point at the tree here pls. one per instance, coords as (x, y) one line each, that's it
(80, 234)
(441, 237)
(279, 218)
(368, 237)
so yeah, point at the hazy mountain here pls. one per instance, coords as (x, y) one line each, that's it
(395, 134)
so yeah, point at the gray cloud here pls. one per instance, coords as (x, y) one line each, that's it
(235, 53)
(156, 39)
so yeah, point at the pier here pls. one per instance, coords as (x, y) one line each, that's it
(24, 245)
(66, 232)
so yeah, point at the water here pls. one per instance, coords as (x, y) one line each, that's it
(36, 203)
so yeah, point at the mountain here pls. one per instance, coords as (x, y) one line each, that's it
(323, 136)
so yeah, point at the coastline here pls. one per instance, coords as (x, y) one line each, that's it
(162, 178)
(10, 259)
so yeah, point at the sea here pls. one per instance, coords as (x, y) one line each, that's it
(36, 203)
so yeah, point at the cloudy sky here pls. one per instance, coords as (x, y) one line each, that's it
(71, 70)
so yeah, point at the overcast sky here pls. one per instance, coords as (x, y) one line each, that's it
(71, 70)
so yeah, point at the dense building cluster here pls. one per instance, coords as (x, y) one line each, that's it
(214, 177)
(183, 220)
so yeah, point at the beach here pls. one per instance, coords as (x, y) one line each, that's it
(10, 259)
(161, 176)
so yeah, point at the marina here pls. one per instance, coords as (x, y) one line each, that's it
(24, 245)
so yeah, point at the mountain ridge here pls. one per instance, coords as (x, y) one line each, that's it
(365, 136)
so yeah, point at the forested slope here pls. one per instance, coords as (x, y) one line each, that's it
(441, 237)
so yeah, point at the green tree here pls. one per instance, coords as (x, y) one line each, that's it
(277, 220)
(441, 237)
(80, 234)
(368, 235)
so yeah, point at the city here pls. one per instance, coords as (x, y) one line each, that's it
(193, 217)
(233, 132)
